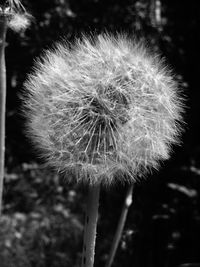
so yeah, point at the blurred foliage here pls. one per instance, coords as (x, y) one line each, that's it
(42, 223)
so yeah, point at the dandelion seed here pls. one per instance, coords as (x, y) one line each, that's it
(108, 103)
(15, 15)
(19, 22)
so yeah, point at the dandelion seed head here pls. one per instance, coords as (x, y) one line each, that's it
(105, 109)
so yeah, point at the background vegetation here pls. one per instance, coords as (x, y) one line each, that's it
(42, 223)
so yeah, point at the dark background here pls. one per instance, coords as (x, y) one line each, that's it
(42, 223)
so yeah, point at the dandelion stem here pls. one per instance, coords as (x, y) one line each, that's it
(91, 218)
(120, 226)
(3, 29)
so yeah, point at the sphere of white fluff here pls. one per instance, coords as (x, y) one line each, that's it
(104, 109)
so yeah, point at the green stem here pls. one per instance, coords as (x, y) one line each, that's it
(90, 226)
(3, 29)
(120, 226)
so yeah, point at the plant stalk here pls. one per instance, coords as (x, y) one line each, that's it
(91, 218)
(3, 30)
(120, 226)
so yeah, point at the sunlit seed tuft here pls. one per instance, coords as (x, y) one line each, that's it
(19, 22)
(15, 14)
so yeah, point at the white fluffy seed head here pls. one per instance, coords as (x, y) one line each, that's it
(103, 110)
